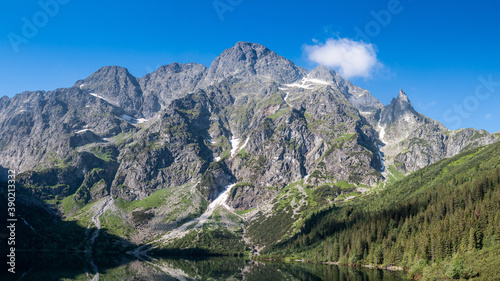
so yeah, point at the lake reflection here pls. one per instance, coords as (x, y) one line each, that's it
(77, 267)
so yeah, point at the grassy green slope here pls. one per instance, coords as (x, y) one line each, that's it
(440, 222)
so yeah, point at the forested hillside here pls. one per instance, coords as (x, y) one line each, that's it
(443, 220)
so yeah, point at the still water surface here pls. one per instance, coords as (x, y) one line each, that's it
(77, 267)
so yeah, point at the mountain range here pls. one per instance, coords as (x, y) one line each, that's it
(188, 150)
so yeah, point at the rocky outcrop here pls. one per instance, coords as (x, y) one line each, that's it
(246, 196)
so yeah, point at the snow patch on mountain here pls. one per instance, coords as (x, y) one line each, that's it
(133, 120)
(316, 81)
(381, 133)
(306, 83)
(182, 230)
(297, 85)
(221, 199)
(235, 142)
(366, 112)
(245, 143)
(97, 96)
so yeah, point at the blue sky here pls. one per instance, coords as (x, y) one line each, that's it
(444, 55)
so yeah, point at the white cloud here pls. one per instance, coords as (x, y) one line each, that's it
(488, 116)
(348, 57)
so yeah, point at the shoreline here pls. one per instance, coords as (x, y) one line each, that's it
(389, 268)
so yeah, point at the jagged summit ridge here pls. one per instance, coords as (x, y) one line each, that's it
(239, 83)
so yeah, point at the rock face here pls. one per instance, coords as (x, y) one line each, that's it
(245, 197)
(167, 83)
(253, 117)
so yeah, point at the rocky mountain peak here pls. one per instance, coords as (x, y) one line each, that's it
(115, 85)
(402, 118)
(105, 76)
(401, 104)
(108, 72)
(246, 46)
(322, 73)
(247, 61)
(402, 96)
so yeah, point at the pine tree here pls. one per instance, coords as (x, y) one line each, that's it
(472, 243)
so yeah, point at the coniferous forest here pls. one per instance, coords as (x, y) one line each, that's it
(440, 222)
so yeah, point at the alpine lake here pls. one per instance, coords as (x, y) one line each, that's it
(60, 266)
